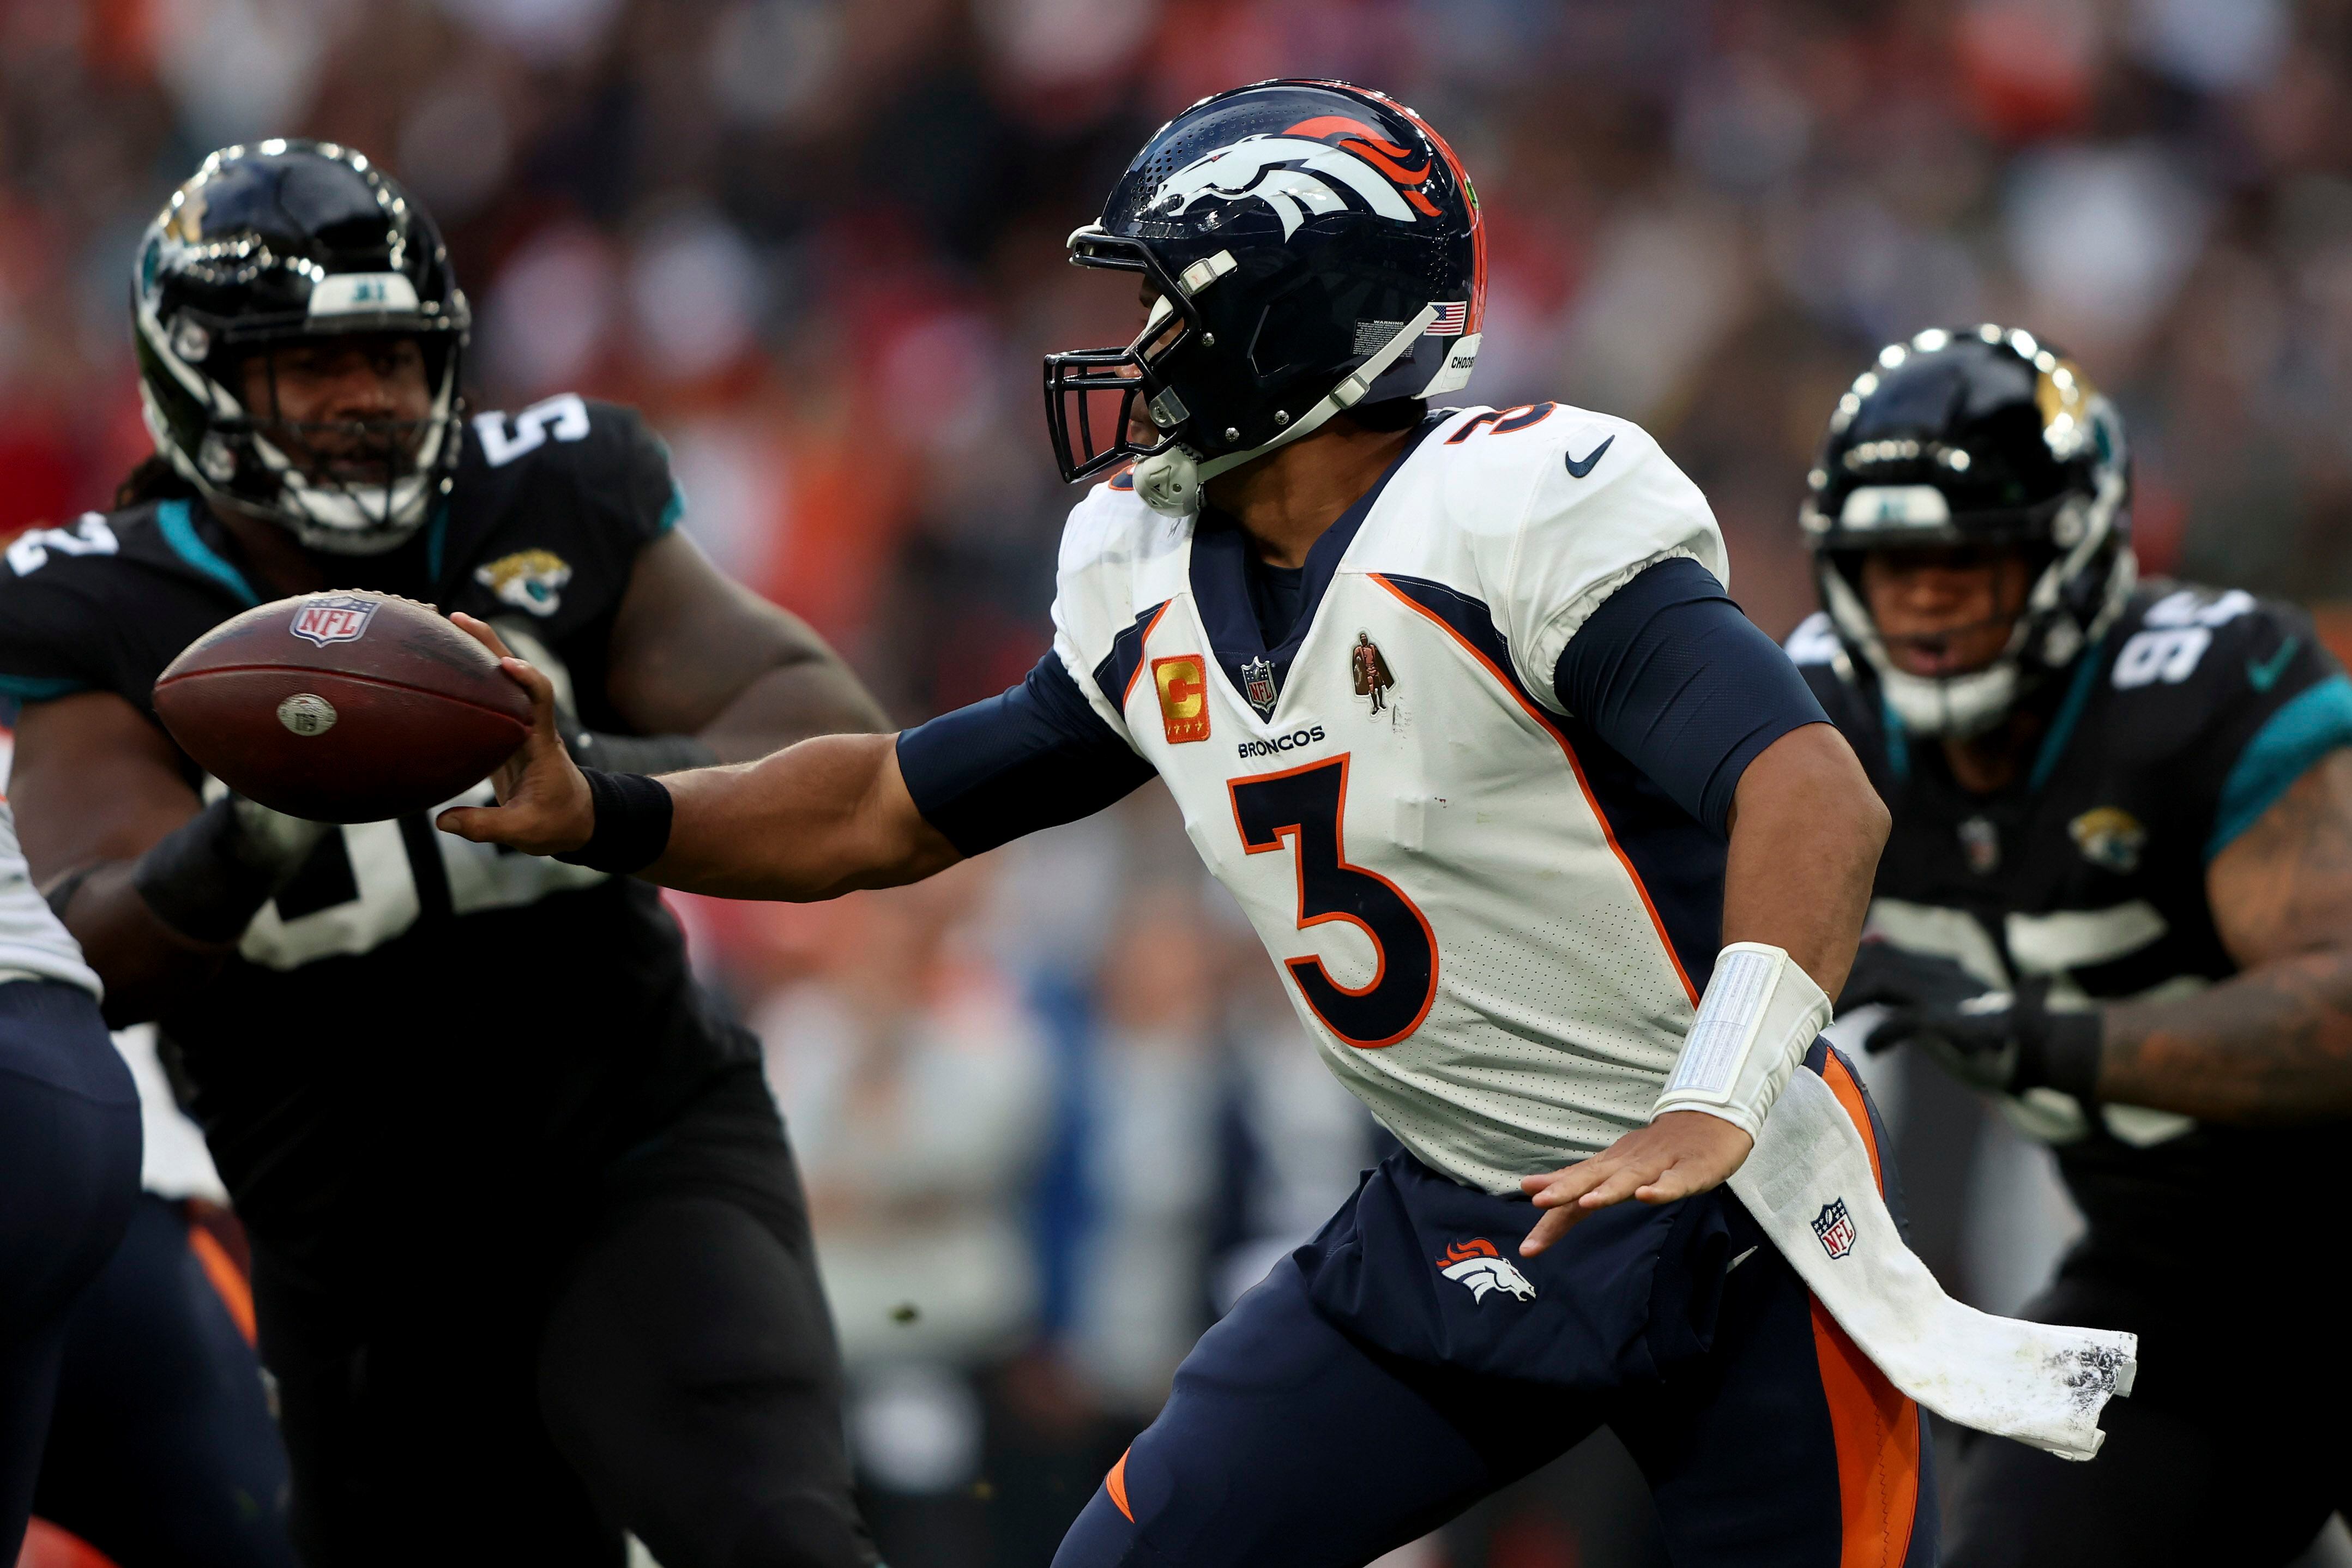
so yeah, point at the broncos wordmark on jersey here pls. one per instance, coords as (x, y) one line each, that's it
(2195, 712)
(329, 1045)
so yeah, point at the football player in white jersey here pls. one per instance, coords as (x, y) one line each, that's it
(1556, 853)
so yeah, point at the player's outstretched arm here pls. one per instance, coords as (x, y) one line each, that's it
(2273, 1044)
(813, 821)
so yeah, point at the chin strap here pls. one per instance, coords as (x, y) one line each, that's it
(1170, 480)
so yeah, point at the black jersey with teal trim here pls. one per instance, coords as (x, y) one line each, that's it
(416, 1020)
(2163, 744)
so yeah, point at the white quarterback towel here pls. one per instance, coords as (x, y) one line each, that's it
(1807, 1183)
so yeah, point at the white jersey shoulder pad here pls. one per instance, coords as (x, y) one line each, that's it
(1551, 508)
(1120, 560)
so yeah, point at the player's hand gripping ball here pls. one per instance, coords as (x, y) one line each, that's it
(342, 706)
(544, 805)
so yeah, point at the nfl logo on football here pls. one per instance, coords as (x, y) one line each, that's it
(1835, 1228)
(332, 618)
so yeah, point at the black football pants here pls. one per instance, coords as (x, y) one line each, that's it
(68, 1178)
(2232, 1448)
(672, 1373)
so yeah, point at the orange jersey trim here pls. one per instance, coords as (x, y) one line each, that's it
(1143, 656)
(1544, 720)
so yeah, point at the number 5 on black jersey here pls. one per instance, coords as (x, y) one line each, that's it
(1307, 804)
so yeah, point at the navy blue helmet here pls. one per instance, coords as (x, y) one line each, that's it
(1314, 246)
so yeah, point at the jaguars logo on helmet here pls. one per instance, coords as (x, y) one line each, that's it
(1979, 436)
(279, 243)
(1314, 246)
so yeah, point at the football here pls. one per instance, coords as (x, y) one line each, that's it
(342, 706)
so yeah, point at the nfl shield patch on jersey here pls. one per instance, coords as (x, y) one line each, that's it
(1257, 685)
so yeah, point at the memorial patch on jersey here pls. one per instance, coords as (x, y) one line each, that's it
(1370, 668)
(333, 617)
(529, 580)
(1476, 1264)
(1182, 682)
(2109, 837)
(1835, 1228)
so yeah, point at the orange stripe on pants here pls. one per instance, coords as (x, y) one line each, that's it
(228, 1282)
(1875, 1426)
(1115, 1483)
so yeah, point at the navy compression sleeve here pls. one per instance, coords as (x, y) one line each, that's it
(1037, 756)
(1669, 673)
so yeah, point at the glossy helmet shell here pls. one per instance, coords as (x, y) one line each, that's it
(1301, 234)
(1979, 436)
(275, 243)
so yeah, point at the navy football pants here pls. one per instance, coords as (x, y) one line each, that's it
(1286, 1443)
(68, 1176)
(162, 1450)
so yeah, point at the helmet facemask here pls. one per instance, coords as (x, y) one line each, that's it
(343, 487)
(1981, 439)
(2075, 596)
(1179, 342)
(279, 246)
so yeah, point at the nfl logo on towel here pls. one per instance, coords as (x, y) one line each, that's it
(1835, 1228)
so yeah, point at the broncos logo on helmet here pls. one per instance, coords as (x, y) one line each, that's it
(1294, 173)
(1477, 1264)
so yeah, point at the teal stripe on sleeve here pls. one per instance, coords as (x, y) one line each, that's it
(179, 530)
(2311, 724)
(673, 511)
(40, 687)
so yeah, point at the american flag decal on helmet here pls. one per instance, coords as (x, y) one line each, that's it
(1452, 318)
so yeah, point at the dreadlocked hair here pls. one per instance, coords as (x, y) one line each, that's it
(153, 479)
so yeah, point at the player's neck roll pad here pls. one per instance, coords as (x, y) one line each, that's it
(1754, 1024)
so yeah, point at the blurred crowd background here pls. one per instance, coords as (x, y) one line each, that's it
(1054, 1109)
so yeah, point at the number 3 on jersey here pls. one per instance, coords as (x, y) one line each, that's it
(1308, 805)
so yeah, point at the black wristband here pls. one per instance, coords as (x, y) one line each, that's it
(639, 753)
(2059, 1050)
(632, 829)
(198, 883)
(2070, 1055)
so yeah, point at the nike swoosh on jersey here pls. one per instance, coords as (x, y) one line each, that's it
(1577, 471)
(2264, 675)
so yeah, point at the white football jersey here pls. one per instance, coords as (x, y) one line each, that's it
(1486, 919)
(33, 944)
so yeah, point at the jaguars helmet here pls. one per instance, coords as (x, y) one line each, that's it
(276, 243)
(1979, 435)
(1314, 247)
